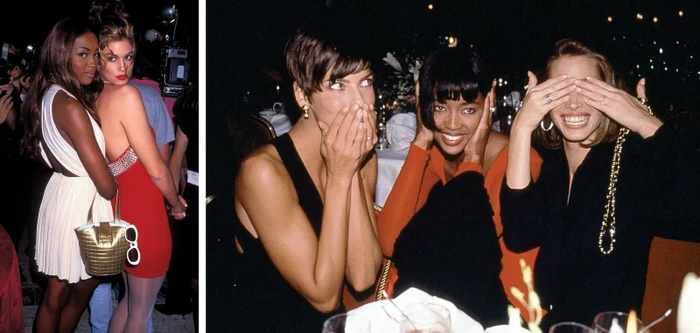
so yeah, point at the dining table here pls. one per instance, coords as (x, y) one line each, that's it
(11, 307)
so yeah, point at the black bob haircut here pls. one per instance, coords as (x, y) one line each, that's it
(449, 74)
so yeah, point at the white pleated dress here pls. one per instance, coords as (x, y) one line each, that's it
(66, 202)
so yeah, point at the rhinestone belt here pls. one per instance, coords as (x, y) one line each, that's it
(123, 163)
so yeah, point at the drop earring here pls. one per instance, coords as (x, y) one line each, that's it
(305, 108)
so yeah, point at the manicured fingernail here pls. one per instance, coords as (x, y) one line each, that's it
(643, 82)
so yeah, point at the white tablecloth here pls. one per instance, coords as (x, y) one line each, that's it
(389, 165)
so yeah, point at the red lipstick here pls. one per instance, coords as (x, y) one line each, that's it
(121, 77)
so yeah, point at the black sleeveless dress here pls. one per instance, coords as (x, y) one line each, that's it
(268, 302)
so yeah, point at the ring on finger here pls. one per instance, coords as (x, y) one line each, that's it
(548, 99)
(492, 109)
(603, 101)
(369, 138)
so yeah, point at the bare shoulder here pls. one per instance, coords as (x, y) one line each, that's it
(262, 168)
(67, 108)
(122, 94)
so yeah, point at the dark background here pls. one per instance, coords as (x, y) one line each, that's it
(247, 37)
(29, 22)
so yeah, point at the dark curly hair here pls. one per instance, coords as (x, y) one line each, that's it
(55, 68)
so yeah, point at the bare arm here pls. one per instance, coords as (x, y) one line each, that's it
(72, 119)
(138, 133)
(164, 152)
(315, 267)
(178, 155)
(364, 252)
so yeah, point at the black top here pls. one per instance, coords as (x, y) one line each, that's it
(657, 195)
(450, 249)
(271, 303)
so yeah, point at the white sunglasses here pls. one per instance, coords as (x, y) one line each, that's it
(133, 255)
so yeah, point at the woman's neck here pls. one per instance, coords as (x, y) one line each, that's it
(306, 136)
(575, 154)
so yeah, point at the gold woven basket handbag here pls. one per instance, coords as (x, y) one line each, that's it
(104, 245)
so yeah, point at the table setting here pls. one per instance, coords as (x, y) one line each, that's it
(386, 315)
(416, 311)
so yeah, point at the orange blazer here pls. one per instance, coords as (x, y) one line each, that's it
(420, 172)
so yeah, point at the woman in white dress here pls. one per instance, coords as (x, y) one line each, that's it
(63, 129)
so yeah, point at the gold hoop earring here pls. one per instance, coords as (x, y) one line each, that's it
(306, 109)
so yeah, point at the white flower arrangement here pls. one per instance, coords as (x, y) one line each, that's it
(396, 87)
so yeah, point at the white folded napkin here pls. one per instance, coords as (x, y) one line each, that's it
(401, 130)
(385, 317)
(688, 320)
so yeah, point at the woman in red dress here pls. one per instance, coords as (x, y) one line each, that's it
(143, 177)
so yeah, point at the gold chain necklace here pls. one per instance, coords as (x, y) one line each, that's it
(608, 225)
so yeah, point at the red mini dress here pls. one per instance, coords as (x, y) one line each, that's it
(142, 204)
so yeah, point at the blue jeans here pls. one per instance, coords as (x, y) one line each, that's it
(100, 307)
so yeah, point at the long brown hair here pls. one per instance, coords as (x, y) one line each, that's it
(608, 130)
(55, 67)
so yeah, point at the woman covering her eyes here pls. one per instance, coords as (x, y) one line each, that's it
(305, 200)
(438, 224)
(603, 192)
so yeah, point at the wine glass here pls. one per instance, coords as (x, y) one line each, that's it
(570, 327)
(346, 322)
(604, 320)
(426, 317)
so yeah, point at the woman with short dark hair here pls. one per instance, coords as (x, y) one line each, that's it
(305, 199)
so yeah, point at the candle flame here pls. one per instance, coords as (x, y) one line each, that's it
(632, 322)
